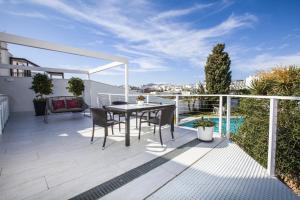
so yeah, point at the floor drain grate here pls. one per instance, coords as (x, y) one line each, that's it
(117, 182)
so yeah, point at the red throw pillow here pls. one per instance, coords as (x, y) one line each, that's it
(72, 103)
(58, 104)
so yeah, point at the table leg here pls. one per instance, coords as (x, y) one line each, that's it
(148, 117)
(172, 128)
(127, 129)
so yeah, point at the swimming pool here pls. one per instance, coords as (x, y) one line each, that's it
(235, 123)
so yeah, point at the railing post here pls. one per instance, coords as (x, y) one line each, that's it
(1, 119)
(177, 109)
(147, 98)
(220, 115)
(272, 136)
(228, 116)
(109, 99)
(98, 102)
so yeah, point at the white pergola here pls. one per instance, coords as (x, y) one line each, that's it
(115, 61)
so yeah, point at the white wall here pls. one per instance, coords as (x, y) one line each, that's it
(4, 58)
(20, 96)
(98, 87)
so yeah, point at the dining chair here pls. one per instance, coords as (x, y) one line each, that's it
(164, 116)
(119, 114)
(103, 119)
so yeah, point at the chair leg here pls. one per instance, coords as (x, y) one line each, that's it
(172, 128)
(154, 129)
(112, 129)
(93, 133)
(46, 117)
(136, 120)
(161, 142)
(172, 134)
(140, 127)
(105, 136)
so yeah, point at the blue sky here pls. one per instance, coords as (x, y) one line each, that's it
(165, 41)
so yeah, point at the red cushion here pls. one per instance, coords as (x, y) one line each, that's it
(58, 104)
(72, 103)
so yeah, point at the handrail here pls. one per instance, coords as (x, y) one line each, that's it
(272, 115)
(297, 98)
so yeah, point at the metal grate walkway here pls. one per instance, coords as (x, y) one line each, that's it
(226, 172)
(117, 182)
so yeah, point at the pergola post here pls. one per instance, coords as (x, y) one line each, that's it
(126, 82)
(90, 88)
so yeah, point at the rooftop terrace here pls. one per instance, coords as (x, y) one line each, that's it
(57, 161)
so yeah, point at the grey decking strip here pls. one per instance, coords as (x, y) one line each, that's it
(227, 172)
(117, 182)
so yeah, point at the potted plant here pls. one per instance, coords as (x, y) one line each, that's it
(41, 85)
(140, 100)
(205, 129)
(75, 86)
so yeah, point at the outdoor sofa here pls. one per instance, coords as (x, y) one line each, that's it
(64, 104)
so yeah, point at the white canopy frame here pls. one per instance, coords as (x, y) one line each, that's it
(115, 61)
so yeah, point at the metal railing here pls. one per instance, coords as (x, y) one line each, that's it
(4, 111)
(107, 98)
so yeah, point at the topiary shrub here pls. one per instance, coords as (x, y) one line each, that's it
(75, 86)
(41, 85)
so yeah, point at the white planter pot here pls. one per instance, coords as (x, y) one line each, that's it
(140, 103)
(205, 133)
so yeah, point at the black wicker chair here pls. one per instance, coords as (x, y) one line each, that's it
(119, 114)
(103, 119)
(162, 117)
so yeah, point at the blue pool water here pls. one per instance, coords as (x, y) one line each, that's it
(235, 123)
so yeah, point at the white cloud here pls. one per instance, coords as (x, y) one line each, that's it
(132, 23)
(28, 14)
(95, 43)
(148, 64)
(267, 61)
(180, 12)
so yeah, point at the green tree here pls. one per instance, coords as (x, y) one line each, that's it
(41, 85)
(217, 71)
(75, 86)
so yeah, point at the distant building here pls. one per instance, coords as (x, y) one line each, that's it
(186, 92)
(21, 62)
(7, 58)
(238, 85)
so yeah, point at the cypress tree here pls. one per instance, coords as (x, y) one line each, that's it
(217, 71)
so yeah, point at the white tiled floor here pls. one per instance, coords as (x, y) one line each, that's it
(57, 161)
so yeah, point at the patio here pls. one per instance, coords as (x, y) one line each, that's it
(57, 161)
